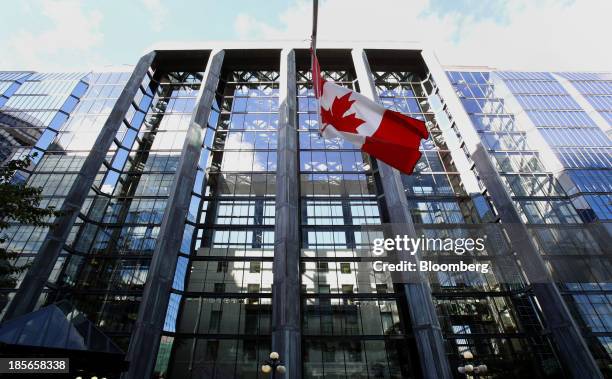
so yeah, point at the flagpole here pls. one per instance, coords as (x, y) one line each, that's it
(315, 17)
(313, 47)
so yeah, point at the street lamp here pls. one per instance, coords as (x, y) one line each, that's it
(469, 368)
(273, 365)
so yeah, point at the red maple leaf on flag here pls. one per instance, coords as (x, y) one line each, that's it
(335, 115)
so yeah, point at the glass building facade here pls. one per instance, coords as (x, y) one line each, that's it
(221, 324)
(57, 117)
(572, 132)
(352, 322)
(189, 165)
(537, 193)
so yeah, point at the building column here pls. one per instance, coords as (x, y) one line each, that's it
(286, 301)
(423, 317)
(147, 331)
(34, 281)
(573, 350)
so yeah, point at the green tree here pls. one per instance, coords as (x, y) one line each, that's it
(18, 203)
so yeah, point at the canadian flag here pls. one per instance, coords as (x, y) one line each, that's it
(389, 136)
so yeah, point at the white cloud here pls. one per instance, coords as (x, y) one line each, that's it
(546, 35)
(72, 35)
(243, 160)
(243, 25)
(247, 27)
(158, 13)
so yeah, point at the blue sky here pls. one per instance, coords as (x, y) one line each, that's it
(535, 34)
(126, 27)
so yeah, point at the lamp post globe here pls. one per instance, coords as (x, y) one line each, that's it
(273, 365)
(469, 368)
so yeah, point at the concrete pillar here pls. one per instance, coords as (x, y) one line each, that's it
(147, 330)
(34, 281)
(572, 348)
(425, 325)
(286, 303)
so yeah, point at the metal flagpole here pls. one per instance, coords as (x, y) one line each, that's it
(313, 46)
(313, 37)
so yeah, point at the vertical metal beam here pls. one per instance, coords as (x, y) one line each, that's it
(573, 350)
(146, 336)
(34, 281)
(286, 303)
(425, 324)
